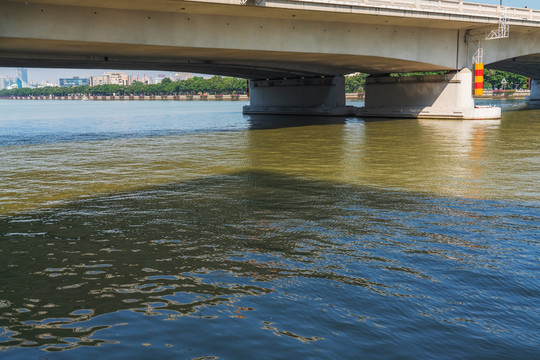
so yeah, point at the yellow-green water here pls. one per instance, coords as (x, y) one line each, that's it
(478, 159)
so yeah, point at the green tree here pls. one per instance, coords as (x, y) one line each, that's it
(494, 78)
(355, 83)
(195, 85)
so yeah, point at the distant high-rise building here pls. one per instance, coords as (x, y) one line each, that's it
(74, 81)
(118, 78)
(4, 82)
(99, 80)
(22, 77)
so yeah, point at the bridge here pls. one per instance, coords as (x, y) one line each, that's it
(295, 52)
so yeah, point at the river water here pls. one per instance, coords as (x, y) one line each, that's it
(185, 230)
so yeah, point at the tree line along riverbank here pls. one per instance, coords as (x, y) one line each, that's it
(214, 97)
(217, 88)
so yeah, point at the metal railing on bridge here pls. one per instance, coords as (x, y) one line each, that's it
(435, 6)
(458, 6)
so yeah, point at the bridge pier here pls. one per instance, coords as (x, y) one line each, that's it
(447, 96)
(320, 96)
(535, 90)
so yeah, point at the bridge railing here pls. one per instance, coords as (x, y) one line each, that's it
(440, 6)
(463, 7)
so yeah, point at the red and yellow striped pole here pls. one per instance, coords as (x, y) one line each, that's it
(478, 79)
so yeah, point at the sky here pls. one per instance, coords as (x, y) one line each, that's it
(36, 75)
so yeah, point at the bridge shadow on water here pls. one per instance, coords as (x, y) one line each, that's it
(260, 122)
(267, 249)
(264, 122)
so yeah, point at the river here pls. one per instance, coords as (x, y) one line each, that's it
(185, 230)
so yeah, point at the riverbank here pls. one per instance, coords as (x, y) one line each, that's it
(511, 94)
(504, 94)
(353, 96)
(131, 97)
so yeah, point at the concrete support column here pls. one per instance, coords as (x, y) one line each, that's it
(447, 96)
(321, 96)
(535, 90)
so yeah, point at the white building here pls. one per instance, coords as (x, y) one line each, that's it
(112, 78)
(180, 76)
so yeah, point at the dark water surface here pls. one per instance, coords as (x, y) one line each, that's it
(182, 230)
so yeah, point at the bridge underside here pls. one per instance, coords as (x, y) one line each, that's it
(239, 63)
(524, 65)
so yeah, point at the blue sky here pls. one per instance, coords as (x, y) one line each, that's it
(52, 75)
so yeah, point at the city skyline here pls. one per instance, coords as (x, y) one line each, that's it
(39, 75)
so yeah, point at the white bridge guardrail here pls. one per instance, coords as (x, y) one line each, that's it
(458, 7)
